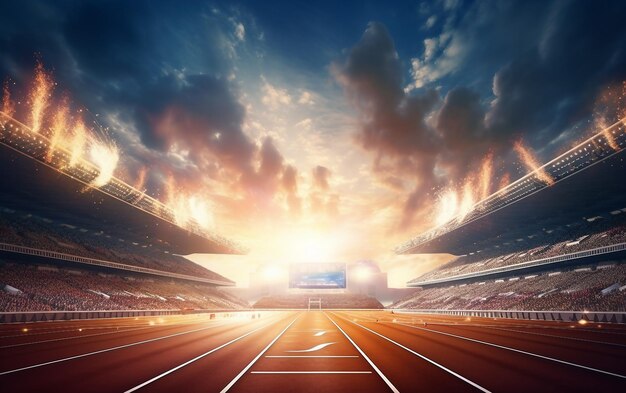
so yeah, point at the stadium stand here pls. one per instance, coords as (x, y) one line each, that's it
(599, 287)
(587, 235)
(328, 300)
(33, 287)
(23, 229)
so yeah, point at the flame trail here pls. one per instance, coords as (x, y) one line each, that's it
(59, 127)
(39, 96)
(606, 132)
(486, 173)
(467, 203)
(8, 107)
(531, 163)
(505, 180)
(77, 144)
(141, 180)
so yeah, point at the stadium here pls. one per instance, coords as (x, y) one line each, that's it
(112, 282)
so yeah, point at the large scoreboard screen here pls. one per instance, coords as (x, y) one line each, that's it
(317, 275)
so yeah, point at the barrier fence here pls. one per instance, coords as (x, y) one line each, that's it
(42, 316)
(559, 316)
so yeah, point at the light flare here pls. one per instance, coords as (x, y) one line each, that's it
(532, 164)
(40, 96)
(105, 157)
(448, 205)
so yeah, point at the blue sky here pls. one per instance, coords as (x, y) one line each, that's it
(336, 128)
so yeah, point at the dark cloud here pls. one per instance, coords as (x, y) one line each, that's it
(289, 183)
(555, 82)
(555, 68)
(321, 174)
(162, 71)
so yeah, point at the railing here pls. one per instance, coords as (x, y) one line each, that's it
(599, 147)
(556, 316)
(524, 265)
(99, 262)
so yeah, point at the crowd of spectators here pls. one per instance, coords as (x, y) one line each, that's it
(18, 228)
(26, 287)
(328, 300)
(591, 288)
(581, 239)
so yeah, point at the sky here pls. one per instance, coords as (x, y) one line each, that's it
(319, 131)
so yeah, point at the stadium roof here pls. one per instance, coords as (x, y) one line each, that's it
(588, 181)
(57, 191)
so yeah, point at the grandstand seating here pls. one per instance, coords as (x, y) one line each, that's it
(579, 238)
(579, 288)
(52, 288)
(23, 229)
(329, 300)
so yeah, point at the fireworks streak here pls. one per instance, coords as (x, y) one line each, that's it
(532, 164)
(60, 138)
(40, 97)
(8, 107)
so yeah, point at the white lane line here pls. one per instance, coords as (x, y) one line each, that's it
(311, 356)
(310, 372)
(519, 351)
(105, 350)
(194, 359)
(231, 383)
(561, 337)
(312, 349)
(321, 333)
(71, 338)
(380, 374)
(474, 384)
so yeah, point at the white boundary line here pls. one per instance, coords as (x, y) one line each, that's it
(106, 350)
(231, 383)
(384, 378)
(310, 372)
(311, 356)
(72, 337)
(560, 337)
(194, 359)
(518, 351)
(474, 384)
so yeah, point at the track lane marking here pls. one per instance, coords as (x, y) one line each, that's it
(238, 376)
(553, 336)
(380, 373)
(474, 384)
(195, 359)
(313, 349)
(106, 350)
(310, 372)
(518, 351)
(72, 337)
(311, 356)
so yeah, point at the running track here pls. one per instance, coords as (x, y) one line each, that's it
(299, 351)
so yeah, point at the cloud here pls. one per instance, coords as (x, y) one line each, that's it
(306, 98)
(275, 97)
(240, 31)
(321, 175)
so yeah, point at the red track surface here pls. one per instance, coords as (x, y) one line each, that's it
(331, 351)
